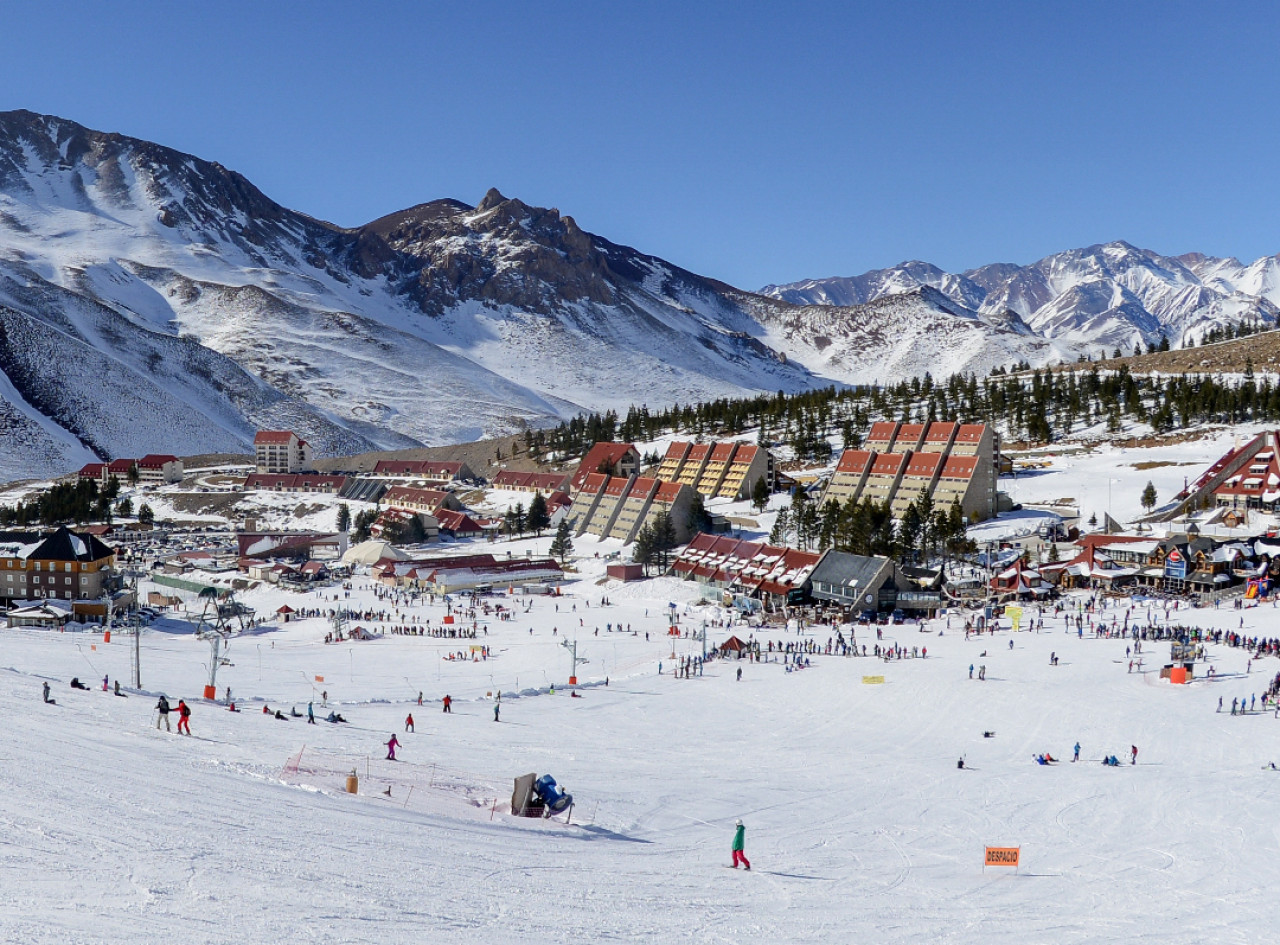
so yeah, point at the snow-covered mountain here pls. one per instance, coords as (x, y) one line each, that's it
(1083, 301)
(151, 300)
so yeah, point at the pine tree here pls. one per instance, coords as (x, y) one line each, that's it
(537, 519)
(1149, 496)
(344, 517)
(642, 550)
(124, 508)
(760, 495)
(562, 544)
(145, 515)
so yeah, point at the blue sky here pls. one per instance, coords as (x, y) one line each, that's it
(751, 142)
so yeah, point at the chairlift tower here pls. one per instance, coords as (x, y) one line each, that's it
(575, 659)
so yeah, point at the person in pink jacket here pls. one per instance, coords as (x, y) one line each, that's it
(391, 748)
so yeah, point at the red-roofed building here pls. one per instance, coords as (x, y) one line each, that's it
(94, 471)
(920, 475)
(939, 437)
(409, 499)
(753, 569)
(613, 459)
(160, 467)
(910, 437)
(294, 482)
(433, 470)
(850, 476)
(280, 451)
(880, 437)
(530, 481)
(726, 470)
(458, 524)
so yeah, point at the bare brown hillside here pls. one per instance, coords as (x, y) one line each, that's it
(1226, 357)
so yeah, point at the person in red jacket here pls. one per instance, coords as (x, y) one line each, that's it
(184, 718)
(408, 722)
(448, 703)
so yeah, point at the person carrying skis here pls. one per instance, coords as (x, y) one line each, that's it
(739, 841)
(162, 707)
(184, 718)
(391, 748)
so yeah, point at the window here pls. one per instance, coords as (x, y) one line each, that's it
(67, 566)
(37, 565)
(66, 580)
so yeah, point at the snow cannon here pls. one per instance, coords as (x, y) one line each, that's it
(550, 793)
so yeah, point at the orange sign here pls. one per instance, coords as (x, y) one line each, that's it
(1002, 856)
(319, 679)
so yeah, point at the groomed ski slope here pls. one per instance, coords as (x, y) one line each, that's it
(859, 824)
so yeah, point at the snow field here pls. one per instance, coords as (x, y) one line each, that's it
(859, 824)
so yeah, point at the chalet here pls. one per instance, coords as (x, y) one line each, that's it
(458, 524)
(280, 451)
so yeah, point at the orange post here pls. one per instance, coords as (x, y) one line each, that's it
(106, 636)
(211, 692)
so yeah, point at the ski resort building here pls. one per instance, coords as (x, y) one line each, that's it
(952, 462)
(62, 565)
(531, 481)
(425, 470)
(295, 482)
(611, 459)
(154, 467)
(280, 451)
(409, 499)
(617, 507)
(1247, 477)
(730, 567)
(718, 470)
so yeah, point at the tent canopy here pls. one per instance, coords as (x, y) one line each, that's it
(371, 552)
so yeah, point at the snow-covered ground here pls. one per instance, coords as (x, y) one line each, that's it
(860, 827)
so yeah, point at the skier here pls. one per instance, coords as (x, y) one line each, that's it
(408, 722)
(104, 683)
(47, 700)
(1133, 754)
(311, 713)
(739, 841)
(419, 697)
(497, 707)
(184, 718)
(162, 707)
(448, 704)
(391, 748)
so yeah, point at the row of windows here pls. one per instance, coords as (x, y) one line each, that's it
(52, 580)
(39, 565)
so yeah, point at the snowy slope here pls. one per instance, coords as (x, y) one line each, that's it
(859, 825)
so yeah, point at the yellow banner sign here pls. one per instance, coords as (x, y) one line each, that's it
(1003, 856)
(872, 680)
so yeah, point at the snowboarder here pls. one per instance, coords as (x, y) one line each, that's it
(960, 763)
(77, 684)
(739, 841)
(118, 692)
(311, 713)
(47, 700)
(184, 718)
(162, 708)
(408, 722)
(391, 748)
